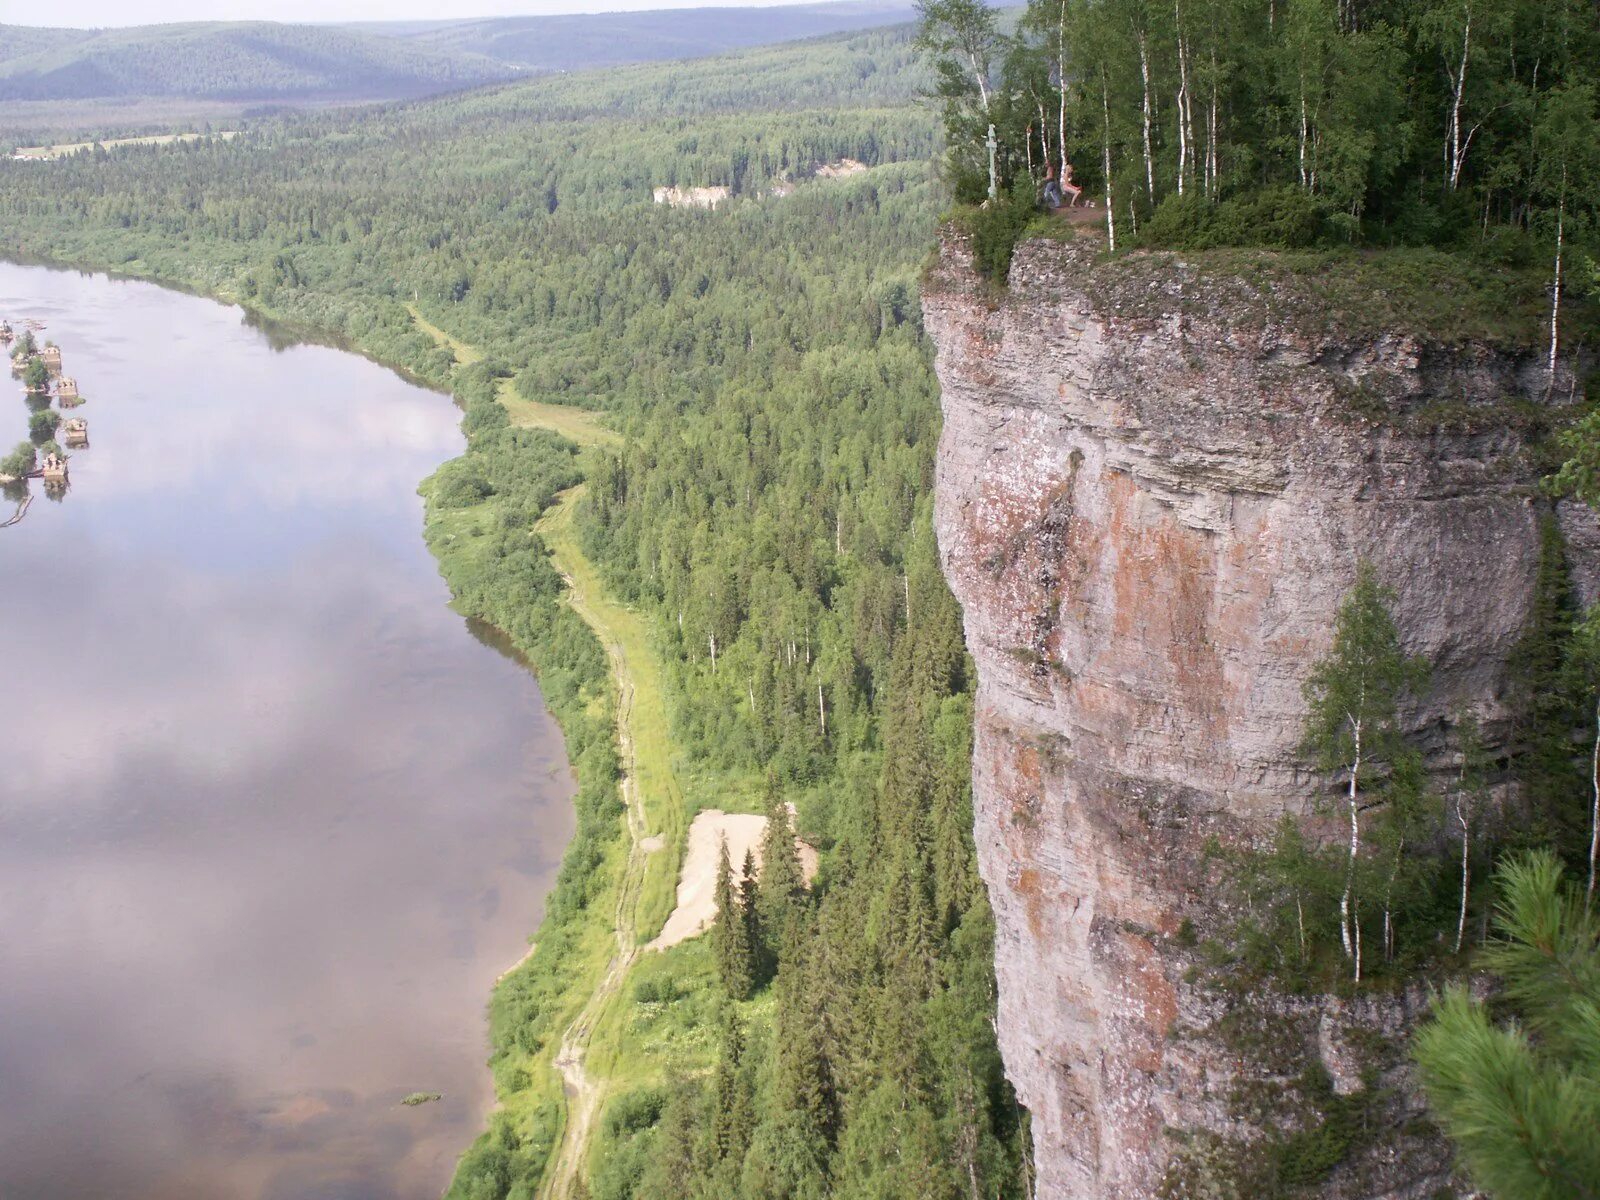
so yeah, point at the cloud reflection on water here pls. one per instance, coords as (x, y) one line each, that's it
(271, 819)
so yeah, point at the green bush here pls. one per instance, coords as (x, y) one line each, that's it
(995, 229)
(42, 424)
(636, 1111)
(461, 483)
(20, 461)
(655, 991)
(1284, 218)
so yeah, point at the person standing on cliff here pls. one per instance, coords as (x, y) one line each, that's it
(1051, 196)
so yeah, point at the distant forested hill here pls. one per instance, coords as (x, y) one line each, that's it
(257, 60)
(262, 61)
(603, 39)
(18, 41)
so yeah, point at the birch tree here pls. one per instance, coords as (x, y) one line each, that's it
(1584, 665)
(1566, 149)
(1467, 35)
(1352, 723)
(1467, 793)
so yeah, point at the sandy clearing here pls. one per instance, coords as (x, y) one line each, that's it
(697, 905)
(159, 139)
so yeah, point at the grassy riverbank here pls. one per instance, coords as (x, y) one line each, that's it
(555, 1093)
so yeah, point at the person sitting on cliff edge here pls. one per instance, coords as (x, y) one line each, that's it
(1053, 189)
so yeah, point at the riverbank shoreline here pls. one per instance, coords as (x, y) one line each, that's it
(250, 627)
(541, 1108)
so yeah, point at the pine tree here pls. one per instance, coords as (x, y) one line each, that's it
(731, 934)
(1522, 1100)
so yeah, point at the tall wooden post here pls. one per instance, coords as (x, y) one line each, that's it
(994, 179)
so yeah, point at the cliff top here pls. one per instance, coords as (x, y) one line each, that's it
(1322, 296)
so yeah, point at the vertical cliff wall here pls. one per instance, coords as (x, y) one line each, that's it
(1154, 490)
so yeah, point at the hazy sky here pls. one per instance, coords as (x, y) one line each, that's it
(92, 13)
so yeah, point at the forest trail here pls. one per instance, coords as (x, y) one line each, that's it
(652, 799)
(584, 1093)
(579, 425)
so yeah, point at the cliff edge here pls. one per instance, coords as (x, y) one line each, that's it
(1154, 489)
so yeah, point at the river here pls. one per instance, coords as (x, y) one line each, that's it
(272, 817)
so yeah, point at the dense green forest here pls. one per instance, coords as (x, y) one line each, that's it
(1468, 124)
(769, 511)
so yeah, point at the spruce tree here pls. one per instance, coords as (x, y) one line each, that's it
(731, 934)
(1542, 694)
(750, 910)
(732, 1115)
(782, 884)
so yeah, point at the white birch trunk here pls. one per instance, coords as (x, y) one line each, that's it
(1061, 82)
(1305, 126)
(1186, 150)
(1456, 148)
(983, 83)
(1555, 291)
(1149, 158)
(1111, 214)
(1594, 811)
(1347, 934)
(1213, 157)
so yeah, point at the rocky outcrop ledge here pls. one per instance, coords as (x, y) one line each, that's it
(1153, 493)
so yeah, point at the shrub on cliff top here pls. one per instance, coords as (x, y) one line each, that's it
(1282, 218)
(995, 230)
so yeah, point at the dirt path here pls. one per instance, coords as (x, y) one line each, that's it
(583, 1093)
(649, 789)
(578, 424)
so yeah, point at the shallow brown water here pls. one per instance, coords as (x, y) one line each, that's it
(272, 818)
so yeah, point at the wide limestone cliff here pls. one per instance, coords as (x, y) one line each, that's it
(1154, 489)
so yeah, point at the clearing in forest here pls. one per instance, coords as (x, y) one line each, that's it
(579, 425)
(157, 139)
(697, 886)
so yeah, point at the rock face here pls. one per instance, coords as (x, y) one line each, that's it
(1152, 496)
(691, 197)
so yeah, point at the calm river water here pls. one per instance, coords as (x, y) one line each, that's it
(272, 819)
